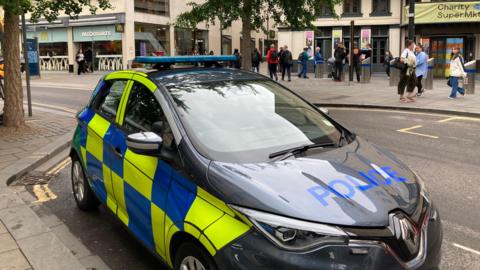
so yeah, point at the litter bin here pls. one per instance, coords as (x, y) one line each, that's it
(366, 70)
(471, 70)
(394, 74)
(429, 80)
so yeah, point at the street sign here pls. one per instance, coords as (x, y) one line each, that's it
(33, 59)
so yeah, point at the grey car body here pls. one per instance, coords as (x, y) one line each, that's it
(358, 187)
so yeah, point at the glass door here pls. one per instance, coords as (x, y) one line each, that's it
(379, 46)
(439, 52)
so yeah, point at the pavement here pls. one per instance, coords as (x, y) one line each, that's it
(33, 238)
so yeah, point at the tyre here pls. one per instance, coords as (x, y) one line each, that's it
(82, 192)
(190, 256)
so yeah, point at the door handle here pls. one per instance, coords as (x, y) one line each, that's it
(117, 152)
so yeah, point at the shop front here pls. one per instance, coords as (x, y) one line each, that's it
(53, 48)
(103, 44)
(151, 39)
(441, 26)
(188, 42)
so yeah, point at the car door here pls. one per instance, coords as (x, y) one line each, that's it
(141, 199)
(104, 112)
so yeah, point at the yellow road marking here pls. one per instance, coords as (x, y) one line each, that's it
(459, 118)
(43, 193)
(408, 131)
(60, 166)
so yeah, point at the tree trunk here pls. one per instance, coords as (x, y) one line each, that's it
(247, 35)
(13, 106)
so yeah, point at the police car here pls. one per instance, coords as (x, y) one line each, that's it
(216, 168)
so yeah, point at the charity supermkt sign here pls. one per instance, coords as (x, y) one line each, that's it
(446, 12)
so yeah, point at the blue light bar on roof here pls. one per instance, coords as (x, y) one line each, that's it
(184, 59)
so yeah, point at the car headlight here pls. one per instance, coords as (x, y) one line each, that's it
(292, 234)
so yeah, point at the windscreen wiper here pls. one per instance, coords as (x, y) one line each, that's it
(300, 149)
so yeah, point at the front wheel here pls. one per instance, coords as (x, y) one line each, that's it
(82, 192)
(190, 256)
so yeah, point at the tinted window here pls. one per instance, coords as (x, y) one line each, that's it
(245, 121)
(142, 110)
(108, 100)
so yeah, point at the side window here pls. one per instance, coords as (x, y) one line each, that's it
(108, 100)
(142, 110)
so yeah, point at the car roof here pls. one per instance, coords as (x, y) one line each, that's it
(202, 75)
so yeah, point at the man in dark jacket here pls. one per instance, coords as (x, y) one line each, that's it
(256, 59)
(237, 63)
(339, 55)
(287, 60)
(357, 62)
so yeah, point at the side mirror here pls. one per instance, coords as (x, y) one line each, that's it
(145, 143)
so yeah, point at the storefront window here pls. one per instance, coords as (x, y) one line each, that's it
(326, 11)
(188, 42)
(381, 8)
(151, 39)
(158, 7)
(352, 8)
(226, 45)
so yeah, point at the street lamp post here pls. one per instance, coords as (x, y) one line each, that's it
(411, 20)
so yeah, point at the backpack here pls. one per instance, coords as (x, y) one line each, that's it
(274, 56)
(300, 57)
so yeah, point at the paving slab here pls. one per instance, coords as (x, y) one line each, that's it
(46, 251)
(22, 222)
(13, 260)
(7, 242)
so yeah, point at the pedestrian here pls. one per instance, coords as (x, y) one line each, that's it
(89, 60)
(340, 56)
(303, 59)
(407, 74)
(280, 64)
(256, 59)
(318, 60)
(272, 60)
(80, 61)
(386, 62)
(457, 71)
(287, 60)
(422, 68)
(357, 62)
(238, 59)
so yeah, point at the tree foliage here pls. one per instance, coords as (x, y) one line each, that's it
(48, 9)
(294, 14)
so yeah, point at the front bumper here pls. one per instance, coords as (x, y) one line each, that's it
(254, 251)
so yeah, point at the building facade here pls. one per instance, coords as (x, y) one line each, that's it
(132, 28)
(383, 24)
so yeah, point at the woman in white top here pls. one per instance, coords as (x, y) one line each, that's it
(407, 75)
(456, 72)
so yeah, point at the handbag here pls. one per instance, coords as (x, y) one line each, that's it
(449, 83)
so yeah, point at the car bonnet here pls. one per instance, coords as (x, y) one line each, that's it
(356, 185)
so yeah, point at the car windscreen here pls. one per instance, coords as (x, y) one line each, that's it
(245, 121)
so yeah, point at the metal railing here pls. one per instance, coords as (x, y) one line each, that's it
(109, 62)
(54, 63)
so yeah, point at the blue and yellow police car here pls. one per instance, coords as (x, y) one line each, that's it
(217, 168)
